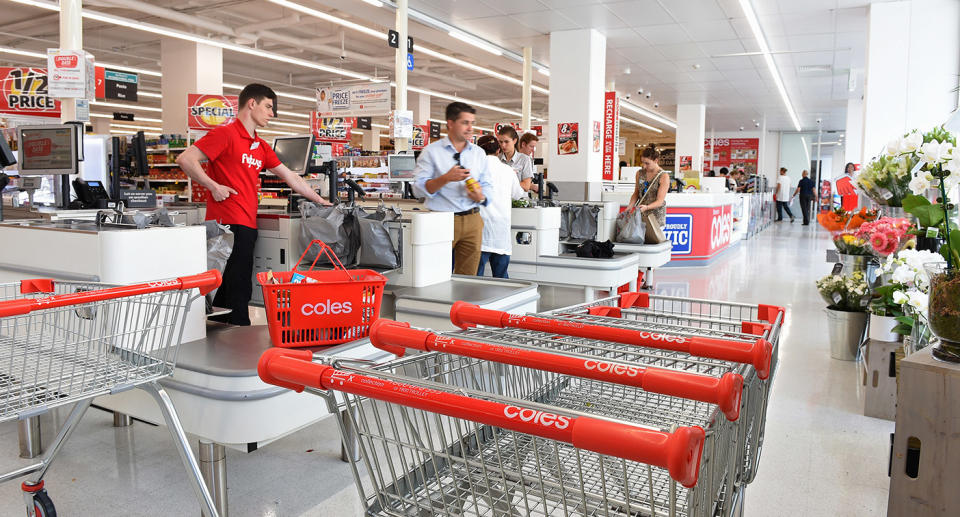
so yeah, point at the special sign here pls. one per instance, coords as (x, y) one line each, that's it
(331, 129)
(206, 112)
(25, 93)
(421, 137)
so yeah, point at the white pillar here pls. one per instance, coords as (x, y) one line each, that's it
(913, 61)
(400, 65)
(71, 38)
(101, 126)
(577, 70)
(420, 104)
(853, 141)
(525, 93)
(691, 133)
(187, 67)
(371, 139)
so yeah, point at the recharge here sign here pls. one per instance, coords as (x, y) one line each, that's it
(698, 233)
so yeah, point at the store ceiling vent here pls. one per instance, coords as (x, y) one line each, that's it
(814, 69)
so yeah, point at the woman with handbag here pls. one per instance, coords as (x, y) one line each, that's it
(650, 192)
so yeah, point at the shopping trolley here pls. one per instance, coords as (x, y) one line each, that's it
(442, 434)
(699, 316)
(67, 343)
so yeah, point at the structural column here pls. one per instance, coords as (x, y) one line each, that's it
(187, 67)
(920, 91)
(400, 69)
(420, 104)
(577, 71)
(371, 139)
(691, 130)
(71, 38)
(853, 144)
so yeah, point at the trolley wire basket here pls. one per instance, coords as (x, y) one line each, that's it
(523, 452)
(699, 315)
(69, 342)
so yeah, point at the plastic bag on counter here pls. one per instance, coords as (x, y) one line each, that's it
(334, 225)
(565, 221)
(631, 227)
(377, 249)
(584, 222)
(594, 249)
(219, 248)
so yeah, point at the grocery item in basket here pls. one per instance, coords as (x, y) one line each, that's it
(298, 278)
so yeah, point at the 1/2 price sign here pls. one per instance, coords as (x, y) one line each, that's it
(24, 92)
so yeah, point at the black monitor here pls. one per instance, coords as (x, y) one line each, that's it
(139, 152)
(7, 157)
(49, 149)
(401, 166)
(294, 151)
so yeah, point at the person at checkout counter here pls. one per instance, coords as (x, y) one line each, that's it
(451, 175)
(650, 189)
(497, 213)
(237, 155)
(510, 155)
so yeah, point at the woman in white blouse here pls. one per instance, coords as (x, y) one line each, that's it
(496, 244)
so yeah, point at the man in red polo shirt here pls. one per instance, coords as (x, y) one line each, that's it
(237, 155)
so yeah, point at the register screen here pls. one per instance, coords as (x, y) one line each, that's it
(293, 152)
(47, 149)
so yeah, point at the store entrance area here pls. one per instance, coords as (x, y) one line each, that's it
(821, 456)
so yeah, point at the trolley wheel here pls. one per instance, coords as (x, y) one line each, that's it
(43, 505)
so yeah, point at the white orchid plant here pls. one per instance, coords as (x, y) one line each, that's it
(905, 294)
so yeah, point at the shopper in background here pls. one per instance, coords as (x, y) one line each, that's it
(496, 245)
(528, 144)
(807, 190)
(651, 186)
(451, 174)
(236, 155)
(521, 163)
(782, 195)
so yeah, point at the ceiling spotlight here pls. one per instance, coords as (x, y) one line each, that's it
(741, 128)
(756, 124)
(640, 91)
(649, 95)
(696, 66)
(626, 70)
(627, 96)
(656, 104)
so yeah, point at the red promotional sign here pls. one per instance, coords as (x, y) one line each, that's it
(37, 148)
(496, 128)
(205, 112)
(66, 61)
(732, 153)
(100, 84)
(611, 133)
(703, 231)
(568, 135)
(331, 129)
(537, 129)
(24, 92)
(421, 137)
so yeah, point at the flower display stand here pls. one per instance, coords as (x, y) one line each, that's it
(925, 461)
(880, 379)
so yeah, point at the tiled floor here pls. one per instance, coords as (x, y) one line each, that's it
(821, 457)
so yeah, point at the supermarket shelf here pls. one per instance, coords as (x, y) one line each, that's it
(163, 165)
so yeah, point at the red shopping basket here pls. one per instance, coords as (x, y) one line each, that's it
(338, 307)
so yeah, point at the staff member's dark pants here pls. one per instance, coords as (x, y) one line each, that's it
(237, 286)
(806, 204)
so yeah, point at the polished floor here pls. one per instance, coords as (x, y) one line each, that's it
(821, 456)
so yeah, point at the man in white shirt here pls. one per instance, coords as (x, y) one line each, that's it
(782, 195)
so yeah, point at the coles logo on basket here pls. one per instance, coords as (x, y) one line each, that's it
(537, 417)
(326, 307)
(616, 369)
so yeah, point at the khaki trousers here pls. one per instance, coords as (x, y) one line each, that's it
(467, 238)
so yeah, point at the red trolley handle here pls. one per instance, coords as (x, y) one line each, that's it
(679, 452)
(205, 282)
(395, 337)
(757, 353)
(330, 255)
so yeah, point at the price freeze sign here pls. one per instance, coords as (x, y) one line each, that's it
(331, 129)
(421, 137)
(206, 112)
(25, 93)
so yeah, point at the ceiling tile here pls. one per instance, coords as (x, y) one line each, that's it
(710, 30)
(733, 63)
(696, 11)
(563, 4)
(620, 38)
(806, 6)
(663, 34)
(498, 28)
(681, 51)
(514, 7)
(806, 42)
(594, 16)
(642, 54)
(640, 13)
(810, 23)
(714, 48)
(708, 75)
(547, 21)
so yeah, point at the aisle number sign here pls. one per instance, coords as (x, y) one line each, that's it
(205, 112)
(25, 93)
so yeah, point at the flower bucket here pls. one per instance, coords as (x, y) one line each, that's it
(865, 263)
(881, 328)
(944, 312)
(845, 331)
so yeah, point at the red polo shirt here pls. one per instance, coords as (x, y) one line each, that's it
(236, 160)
